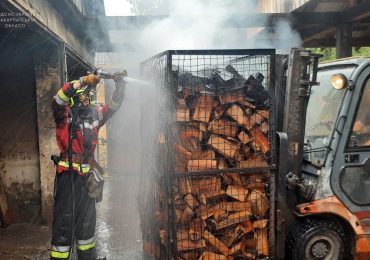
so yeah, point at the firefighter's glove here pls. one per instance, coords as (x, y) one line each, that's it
(90, 79)
(118, 77)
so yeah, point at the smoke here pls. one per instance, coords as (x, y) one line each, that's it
(288, 37)
(203, 24)
(195, 24)
(187, 24)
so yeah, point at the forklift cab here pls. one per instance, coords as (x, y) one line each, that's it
(336, 159)
(350, 178)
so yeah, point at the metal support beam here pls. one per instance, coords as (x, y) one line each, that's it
(357, 12)
(239, 21)
(344, 40)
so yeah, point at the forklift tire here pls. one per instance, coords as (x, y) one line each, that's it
(314, 239)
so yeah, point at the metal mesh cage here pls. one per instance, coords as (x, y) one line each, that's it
(210, 192)
(224, 214)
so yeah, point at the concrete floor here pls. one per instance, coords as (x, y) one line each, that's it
(117, 232)
(118, 226)
(25, 241)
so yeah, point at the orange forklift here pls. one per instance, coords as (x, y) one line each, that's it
(323, 211)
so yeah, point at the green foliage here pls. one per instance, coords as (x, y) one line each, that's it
(330, 53)
(363, 51)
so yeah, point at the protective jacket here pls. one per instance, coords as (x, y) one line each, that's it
(85, 129)
(75, 212)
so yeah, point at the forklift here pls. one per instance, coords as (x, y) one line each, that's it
(323, 157)
(319, 186)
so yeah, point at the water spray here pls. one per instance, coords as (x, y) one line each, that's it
(109, 75)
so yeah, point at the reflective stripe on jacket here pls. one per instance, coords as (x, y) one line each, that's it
(80, 168)
(87, 125)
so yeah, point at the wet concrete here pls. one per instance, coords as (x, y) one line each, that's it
(25, 241)
(117, 232)
(118, 226)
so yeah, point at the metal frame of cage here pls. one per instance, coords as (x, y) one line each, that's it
(161, 66)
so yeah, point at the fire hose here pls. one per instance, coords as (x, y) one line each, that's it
(70, 165)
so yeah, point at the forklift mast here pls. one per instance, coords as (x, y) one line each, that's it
(295, 74)
(301, 75)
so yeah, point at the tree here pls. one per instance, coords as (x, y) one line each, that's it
(330, 53)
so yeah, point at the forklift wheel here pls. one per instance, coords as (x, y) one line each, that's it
(318, 239)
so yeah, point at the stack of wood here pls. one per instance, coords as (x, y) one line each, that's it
(222, 217)
(219, 132)
(225, 215)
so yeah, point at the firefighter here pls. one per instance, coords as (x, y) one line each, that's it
(74, 204)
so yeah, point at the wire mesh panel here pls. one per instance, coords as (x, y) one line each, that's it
(215, 146)
(153, 190)
(222, 111)
(222, 215)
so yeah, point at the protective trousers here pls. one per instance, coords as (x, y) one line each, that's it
(84, 221)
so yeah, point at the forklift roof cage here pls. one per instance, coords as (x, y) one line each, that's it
(208, 178)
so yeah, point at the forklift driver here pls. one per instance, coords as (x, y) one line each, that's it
(361, 127)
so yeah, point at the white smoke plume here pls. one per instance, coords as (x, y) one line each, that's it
(189, 24)
(203, 24)
(194, 24)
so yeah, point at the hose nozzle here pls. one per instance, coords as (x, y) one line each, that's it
(108, 75)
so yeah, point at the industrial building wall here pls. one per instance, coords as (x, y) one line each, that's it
(45, 13)
(19, 156)
(35, 58)
(30, 74)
